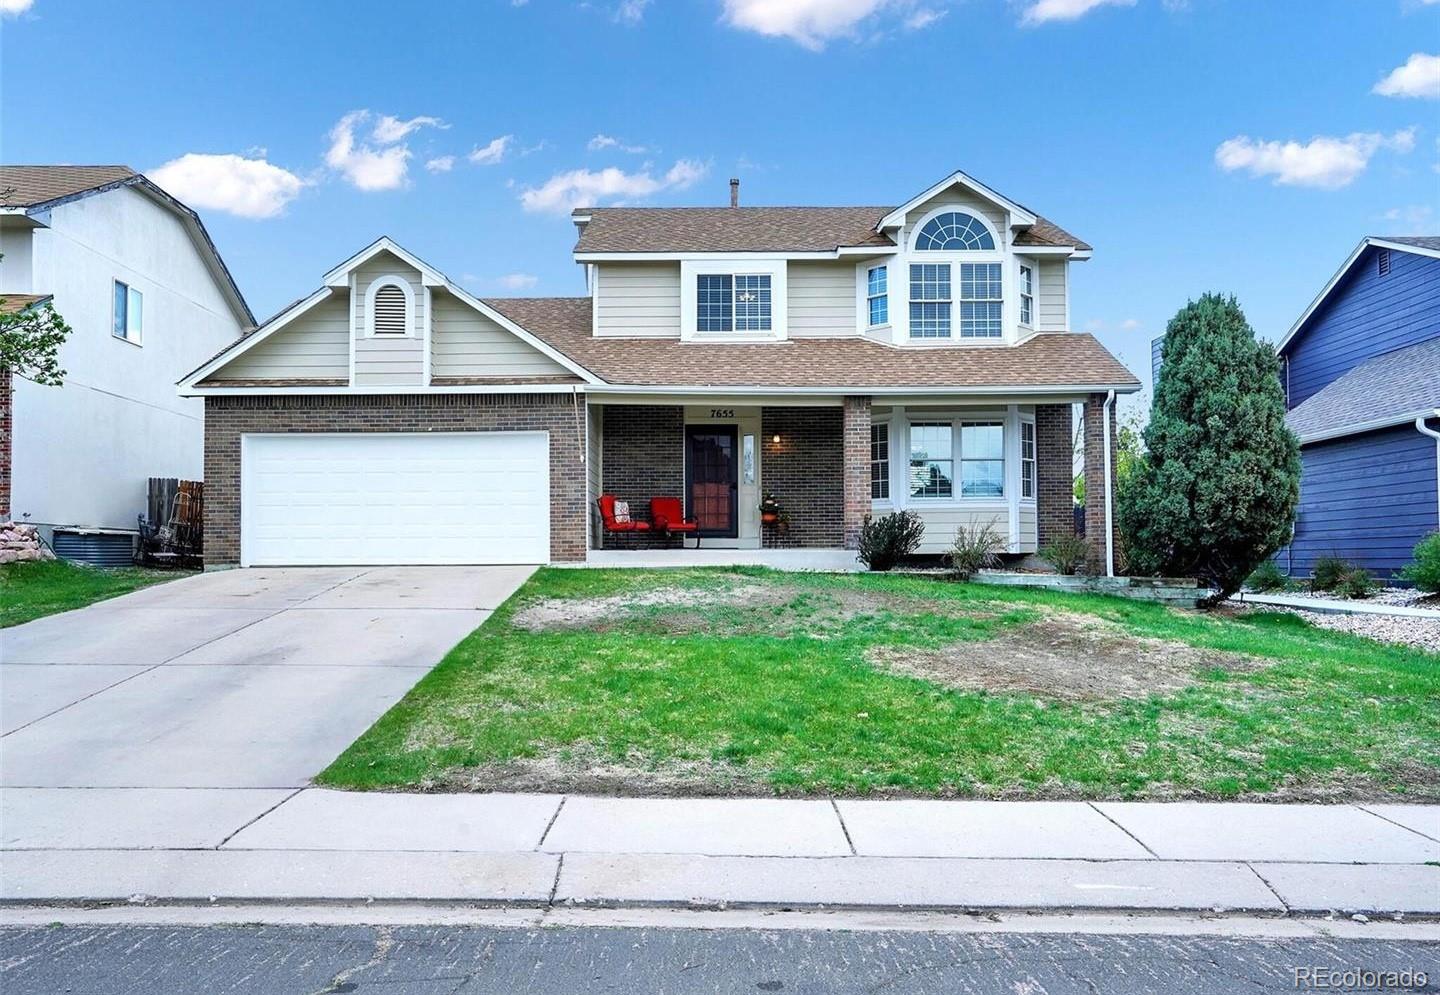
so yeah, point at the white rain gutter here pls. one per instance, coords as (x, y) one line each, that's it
(1105, 410)
(1427, 430)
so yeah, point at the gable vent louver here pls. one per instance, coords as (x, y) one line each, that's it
(390, 317)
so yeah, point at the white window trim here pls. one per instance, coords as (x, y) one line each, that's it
(955, 419)
(866, 297)
(130, 288)
(1021, 265)
(1026, 419)
(775, 269)
(885, 502)
(1002, 254)
(376, 285)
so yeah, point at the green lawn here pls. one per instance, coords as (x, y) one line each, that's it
(749, 681)
(34, 589)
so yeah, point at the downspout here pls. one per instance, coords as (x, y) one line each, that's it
(1105, 410)
(1427, 430)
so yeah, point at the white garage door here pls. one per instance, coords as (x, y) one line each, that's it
(468, 497)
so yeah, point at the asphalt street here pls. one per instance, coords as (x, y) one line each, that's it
(470, 960)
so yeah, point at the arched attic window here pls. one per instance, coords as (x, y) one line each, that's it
(390, 306)
(954, 231)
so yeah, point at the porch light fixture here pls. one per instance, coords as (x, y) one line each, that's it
(775, 439)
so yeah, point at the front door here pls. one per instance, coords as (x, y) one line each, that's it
(711, 479)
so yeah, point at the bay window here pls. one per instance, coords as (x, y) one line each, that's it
(977, 446)
(879, 461)
(932, 460)
(982, 459)
(930, 300)
(982, 301)
(1027, 295)
(877, 295)
(1027, 459)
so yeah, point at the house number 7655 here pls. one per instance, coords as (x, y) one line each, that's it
(722, 412)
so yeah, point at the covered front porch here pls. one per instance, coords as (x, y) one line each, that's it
(787, 481)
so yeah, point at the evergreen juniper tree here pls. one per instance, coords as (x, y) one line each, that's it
(1215, 493)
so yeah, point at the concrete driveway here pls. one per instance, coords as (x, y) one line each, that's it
(238, 679)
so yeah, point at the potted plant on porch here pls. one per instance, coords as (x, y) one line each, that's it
(772, 514)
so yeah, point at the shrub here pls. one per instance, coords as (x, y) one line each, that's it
(1066, 553)
(974, 547)
(885, 540)
(1424, 573)
(1214, 494)
(1268, 577)
(1356, 583)
(1328, 571)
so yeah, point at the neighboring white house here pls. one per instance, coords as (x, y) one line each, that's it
(134, 273)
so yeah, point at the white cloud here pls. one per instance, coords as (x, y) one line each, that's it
(1044, 11)
(518, 281)
(564, 192)
(1414, 215)
(365, 166)
(1324, 162)
(631, 11)
(14, 8)
(601, 142)
(389, 130)
(493, 153)
(810, 23)
(250, 188)
(923, 18)
(1129, 324)
(440, 164)
(1418, 77)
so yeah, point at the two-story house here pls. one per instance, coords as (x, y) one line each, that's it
(844, 360)
(1361, 369)
(147, 296)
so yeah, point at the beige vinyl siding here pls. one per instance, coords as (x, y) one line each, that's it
(315, 345)
(994, 216)
(466, 343)
(822, 299)
(941, 523)
(638, 299)
(388, 361)
(1050, 275)
(1029, 527)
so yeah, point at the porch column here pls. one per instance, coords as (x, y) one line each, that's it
(856, 435)
(1054, 471)
(1098, 483)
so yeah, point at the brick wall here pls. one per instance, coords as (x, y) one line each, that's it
(227, 418)
(805, 471)
(7, 425)
(856, 413)
(642, 456)
(1054, 471)
(1095, 482)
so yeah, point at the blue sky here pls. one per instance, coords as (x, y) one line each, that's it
(1234, 145)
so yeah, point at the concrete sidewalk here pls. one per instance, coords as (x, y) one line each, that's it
(315, 845)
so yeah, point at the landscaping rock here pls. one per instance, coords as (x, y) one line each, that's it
(21, 543)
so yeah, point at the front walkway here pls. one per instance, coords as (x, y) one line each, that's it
(316, 845)
(833, 560)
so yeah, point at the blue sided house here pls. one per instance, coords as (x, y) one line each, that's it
(1361, 370)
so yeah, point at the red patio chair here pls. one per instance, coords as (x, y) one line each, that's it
(669, 517)
(611, 523)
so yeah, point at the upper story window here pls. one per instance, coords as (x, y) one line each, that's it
(129, 313)
(954, 231)
(931, 302)
(877, 295)
(1027, 295)
(727, 302)
(880, 461)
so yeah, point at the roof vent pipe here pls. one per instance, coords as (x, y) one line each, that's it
(734, 191)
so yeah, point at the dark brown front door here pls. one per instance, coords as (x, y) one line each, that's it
(710, 474)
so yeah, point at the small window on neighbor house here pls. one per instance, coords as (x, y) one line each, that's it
(129, 313)
(1382, 260)
(390, 312)
(1027, 295)
(880, 461)
(1027, 459)
(877, 295)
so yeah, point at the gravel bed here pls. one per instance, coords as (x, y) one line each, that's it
(1421, 633)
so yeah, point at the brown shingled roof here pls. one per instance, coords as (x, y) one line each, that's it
(15, 303)
(757, 229)
(26, 186)
(1061, 360)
